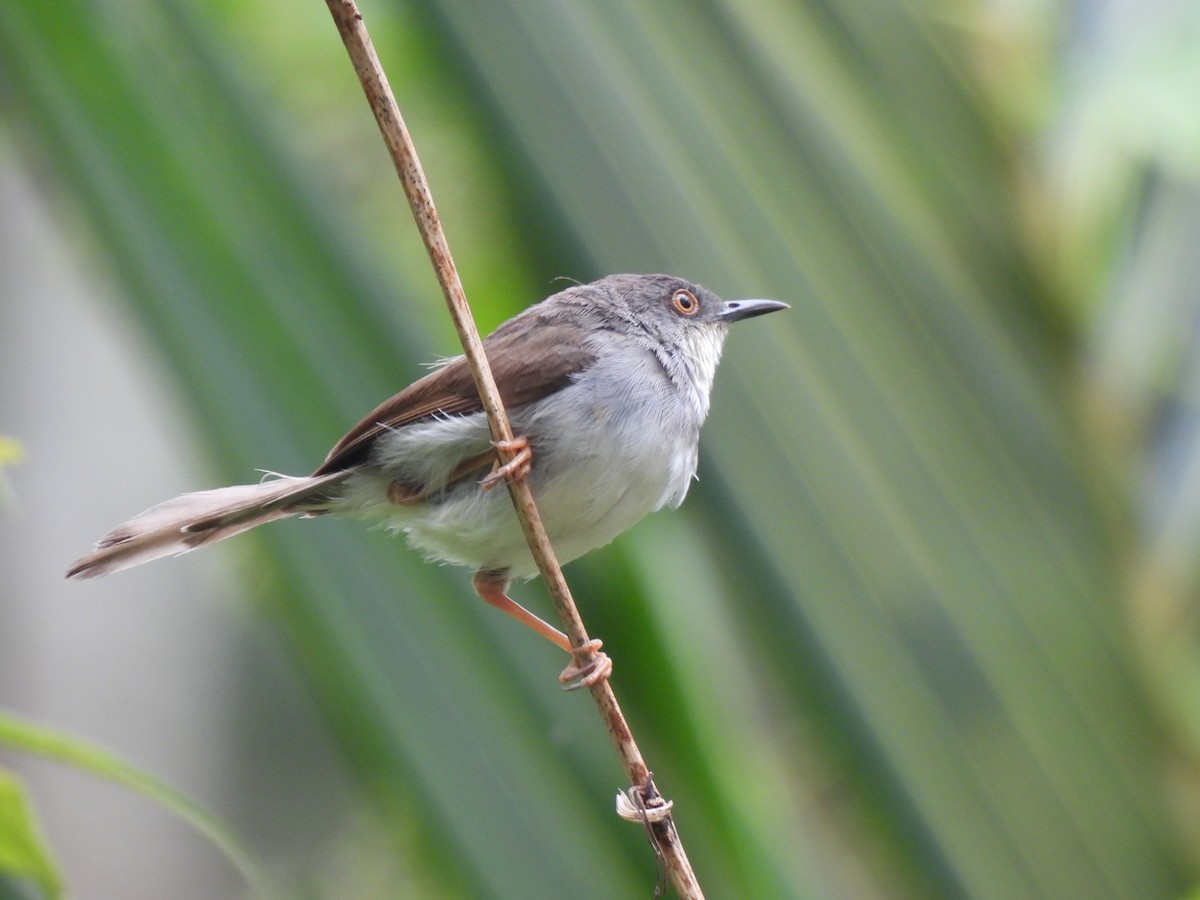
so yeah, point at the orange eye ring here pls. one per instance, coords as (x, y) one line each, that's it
(685, 302)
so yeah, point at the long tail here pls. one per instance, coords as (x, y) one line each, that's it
(205, 517)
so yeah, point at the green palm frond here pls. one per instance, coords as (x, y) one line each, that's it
(889, 618)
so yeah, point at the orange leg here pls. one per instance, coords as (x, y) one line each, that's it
(491, 586)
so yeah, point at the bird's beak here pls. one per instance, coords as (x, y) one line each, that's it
(744, 309)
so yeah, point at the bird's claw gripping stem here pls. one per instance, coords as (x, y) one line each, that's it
(574, 677)
(518, 466)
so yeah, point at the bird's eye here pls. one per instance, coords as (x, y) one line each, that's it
(685, 302)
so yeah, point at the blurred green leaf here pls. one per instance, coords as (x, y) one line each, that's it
(23, 852)
(10, 451)
(28, 737)
(884, 644)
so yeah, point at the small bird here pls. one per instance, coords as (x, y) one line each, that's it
(606, 386)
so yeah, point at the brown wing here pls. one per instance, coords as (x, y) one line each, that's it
(528, 363)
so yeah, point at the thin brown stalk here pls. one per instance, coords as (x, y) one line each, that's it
(646, 798)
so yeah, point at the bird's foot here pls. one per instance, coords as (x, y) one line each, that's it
(574, 677)
(518, 466)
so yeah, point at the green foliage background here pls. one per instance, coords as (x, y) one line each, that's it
(928, 611)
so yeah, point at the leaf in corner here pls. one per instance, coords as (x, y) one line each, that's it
(23, 853)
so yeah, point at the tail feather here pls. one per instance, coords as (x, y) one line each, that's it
(205, 517)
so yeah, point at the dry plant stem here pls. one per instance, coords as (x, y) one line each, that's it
(416, 188)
